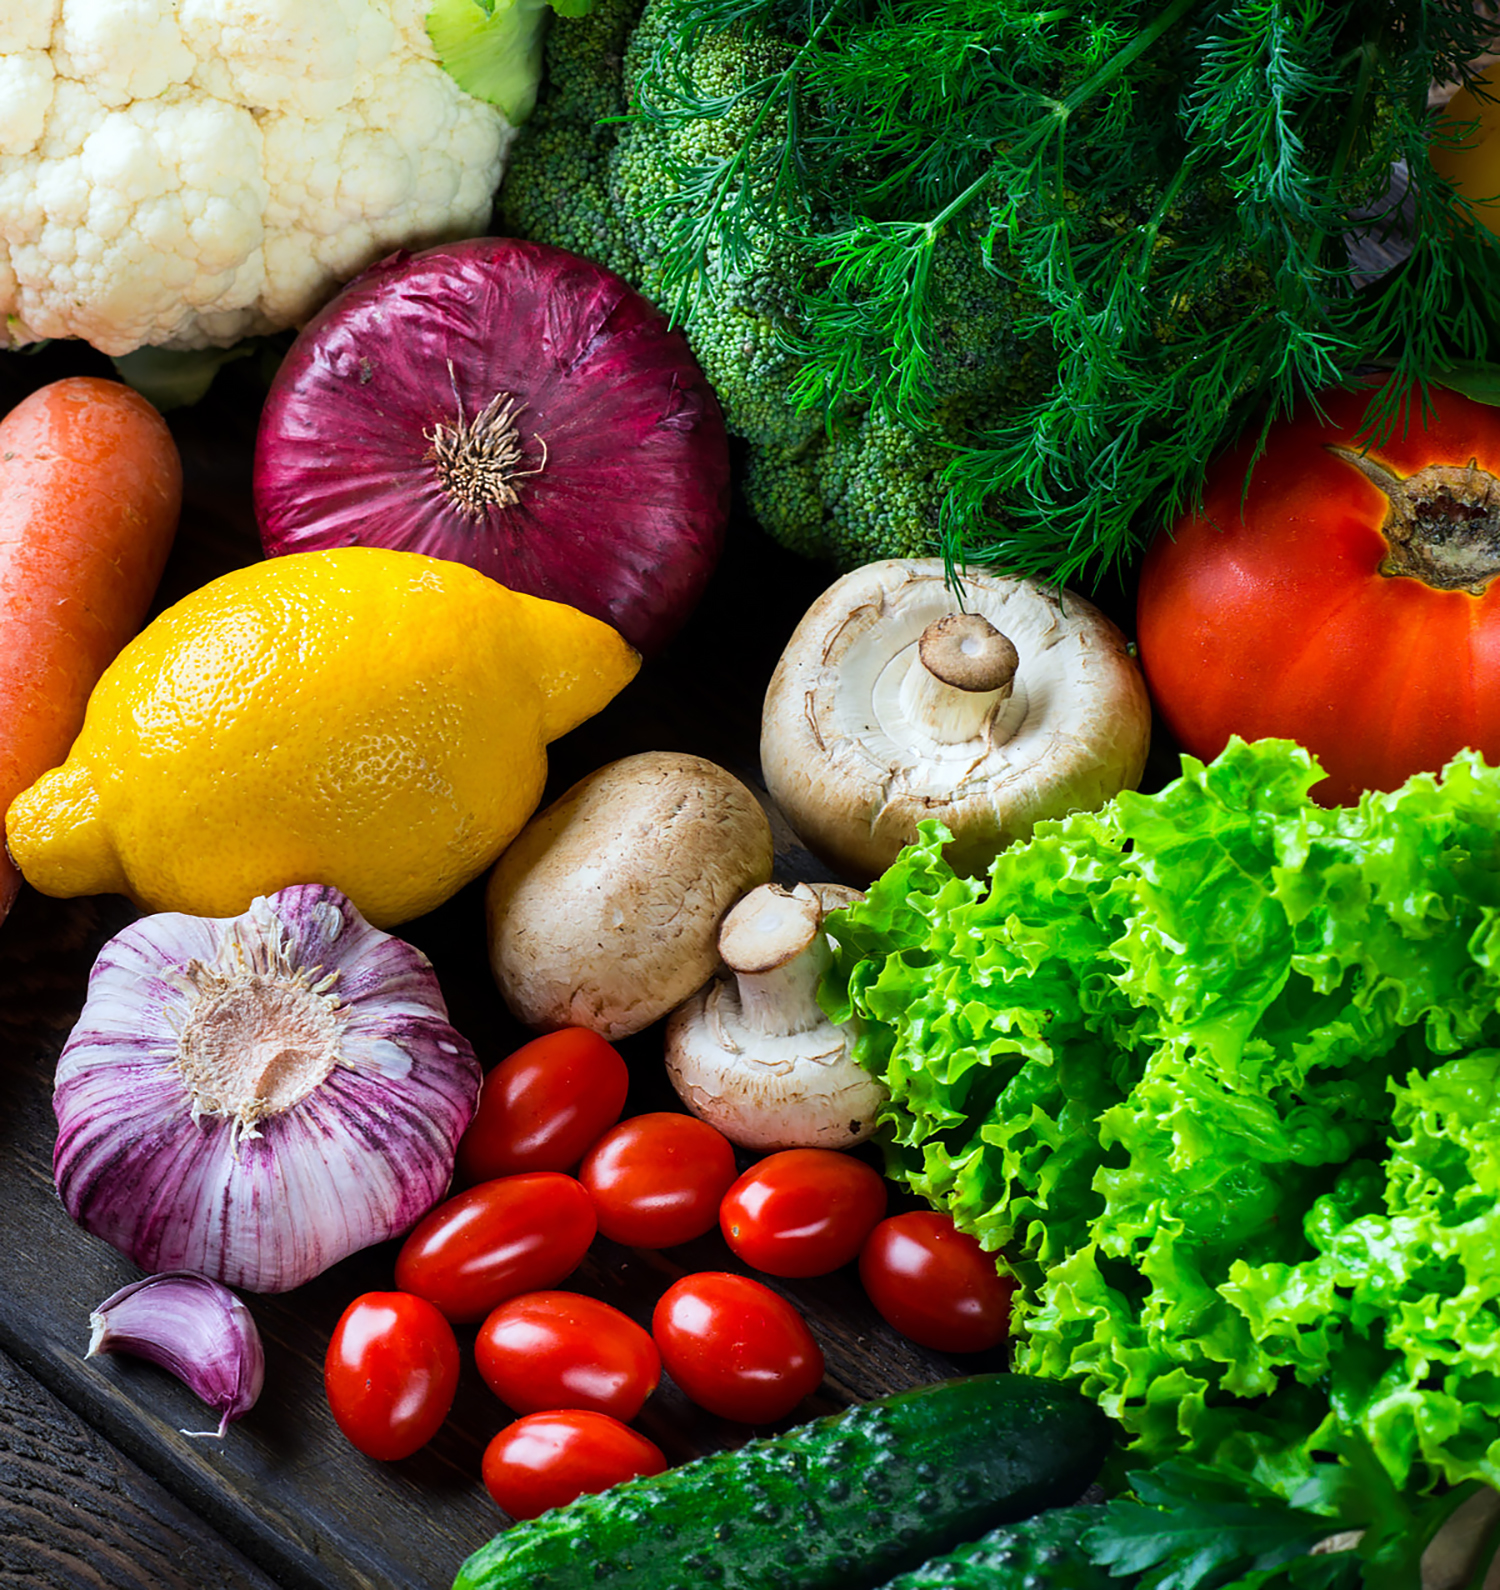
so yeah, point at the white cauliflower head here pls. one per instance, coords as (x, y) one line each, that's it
(185, 173)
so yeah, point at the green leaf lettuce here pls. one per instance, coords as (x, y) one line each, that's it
(1215, 1072)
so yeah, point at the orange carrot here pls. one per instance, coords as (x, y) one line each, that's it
(90, 491)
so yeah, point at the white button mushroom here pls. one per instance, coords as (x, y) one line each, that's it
(753, 1053)
(991, 708)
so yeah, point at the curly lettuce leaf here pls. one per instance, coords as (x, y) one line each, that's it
(1209, 1069)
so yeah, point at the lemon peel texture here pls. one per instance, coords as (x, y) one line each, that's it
(369, 719)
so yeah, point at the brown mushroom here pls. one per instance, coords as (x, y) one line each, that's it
(604, 912)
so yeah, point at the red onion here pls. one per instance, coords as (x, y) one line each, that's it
(513, 407)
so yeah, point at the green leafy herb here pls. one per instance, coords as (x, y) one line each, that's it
(998, 277)
(1215, 1071)
(1186, 1526)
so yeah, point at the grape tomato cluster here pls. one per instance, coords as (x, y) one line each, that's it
(546, 1165)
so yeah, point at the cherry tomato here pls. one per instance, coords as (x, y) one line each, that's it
(516, 1234)
(547, 1459)
(657, 1179)
(544, 1106)
(1344, 599)
(736, 1347)
(935, 1284)
(564, 1350)
(390, 1373)
(804, 1211)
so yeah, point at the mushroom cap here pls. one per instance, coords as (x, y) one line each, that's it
(604, 912)
(854, 774)
(801, 1091)
(768, 1090)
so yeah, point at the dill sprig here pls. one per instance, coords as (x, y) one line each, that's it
(1155, 199)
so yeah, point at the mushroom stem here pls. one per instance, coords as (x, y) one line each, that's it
(770, 941)
(963, 673)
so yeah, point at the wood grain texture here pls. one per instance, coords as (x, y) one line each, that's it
(283, 1491)
(81, 1516)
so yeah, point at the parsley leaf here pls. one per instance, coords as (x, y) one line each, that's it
(1190, 1524)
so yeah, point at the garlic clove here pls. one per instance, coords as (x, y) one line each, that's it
(253, 1098)
(195, 1329)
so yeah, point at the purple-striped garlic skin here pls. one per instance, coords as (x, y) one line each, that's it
(253, 1098)
(194, 1328)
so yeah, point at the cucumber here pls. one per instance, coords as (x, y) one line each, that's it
(1042, 1551)
(842, 1502)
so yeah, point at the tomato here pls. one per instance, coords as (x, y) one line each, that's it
(657, 1179)
(735, 1347)
(804, 1211)
(516, 1234)
(564, 1350)
(1297, 617)
(390, 1373)
(547, 1459)
(1467, 150)
(543, 1107)
(935, 1284)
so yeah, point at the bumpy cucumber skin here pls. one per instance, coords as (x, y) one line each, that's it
(1041, 1553)
(837, 1504)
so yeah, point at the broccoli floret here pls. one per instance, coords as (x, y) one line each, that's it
(1024, 377)
(871, 490)
(844, 487)
(557, 187)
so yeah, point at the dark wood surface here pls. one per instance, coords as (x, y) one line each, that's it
(98, 1486)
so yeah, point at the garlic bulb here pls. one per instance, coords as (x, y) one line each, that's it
(254, 1098)
(195, 1329)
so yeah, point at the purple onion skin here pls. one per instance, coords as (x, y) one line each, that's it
(625, 521)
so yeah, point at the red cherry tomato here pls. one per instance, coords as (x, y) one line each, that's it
(657, 1179)
(564, 1350)
(736, 1347)
(935, 1284)
(804, 1211)
(517, 1234)
(543, 1107)
(390, 1373)
(547, 1459)
(1305, 608)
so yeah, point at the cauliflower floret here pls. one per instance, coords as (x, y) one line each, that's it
(184, 173)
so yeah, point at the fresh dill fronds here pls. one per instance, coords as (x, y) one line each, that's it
(1068, 248)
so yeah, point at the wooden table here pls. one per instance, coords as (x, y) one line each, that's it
(98, 1487)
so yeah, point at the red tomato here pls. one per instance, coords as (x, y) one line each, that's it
(935, 1284)
(517, 1234)
(547, 1459)
(804, 1211)
(657, 1180)
(736, 1347)
(390, 1373)
(563, 1350)
(544, 1106)
(1296, 614)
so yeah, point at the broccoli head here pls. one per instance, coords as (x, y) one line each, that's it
(968, 286)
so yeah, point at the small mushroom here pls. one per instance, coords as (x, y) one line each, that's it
(990, 707)
(753, 1053)
(604, 912)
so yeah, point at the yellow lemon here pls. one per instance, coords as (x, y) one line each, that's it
(369, 719)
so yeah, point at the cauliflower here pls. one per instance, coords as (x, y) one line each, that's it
(185, 173)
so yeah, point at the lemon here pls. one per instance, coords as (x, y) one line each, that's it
(370, 719)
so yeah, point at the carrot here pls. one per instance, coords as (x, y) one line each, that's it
(90, 491)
